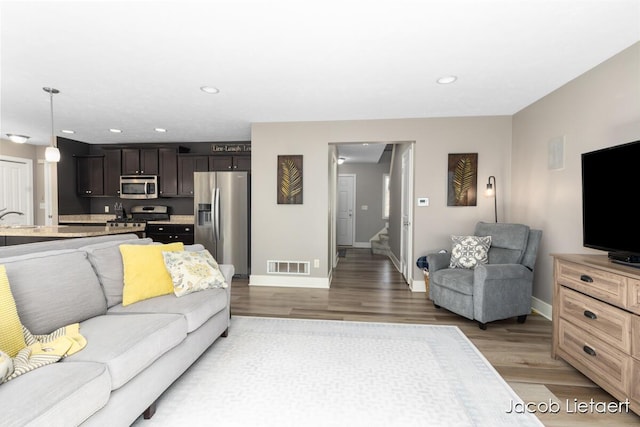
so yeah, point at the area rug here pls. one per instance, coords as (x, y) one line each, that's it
(287, 372)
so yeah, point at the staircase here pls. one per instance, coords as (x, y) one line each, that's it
(380, 244)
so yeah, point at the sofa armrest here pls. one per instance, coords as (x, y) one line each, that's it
(227, 270)
(488, 272)
(438, 261)
(501, 291)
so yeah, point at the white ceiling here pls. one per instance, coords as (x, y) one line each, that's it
(139, 65)
(363, 152)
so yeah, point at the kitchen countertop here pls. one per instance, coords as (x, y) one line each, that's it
(103, 218)
(63, 231)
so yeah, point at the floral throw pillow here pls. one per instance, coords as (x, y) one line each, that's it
(469, 251)
(193, 271)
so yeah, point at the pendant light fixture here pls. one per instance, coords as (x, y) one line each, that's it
(52, 154)
(18, 139)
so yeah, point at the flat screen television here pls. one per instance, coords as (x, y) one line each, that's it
(610, 196)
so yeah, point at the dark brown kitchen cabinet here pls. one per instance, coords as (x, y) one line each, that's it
(187, 165)
(139, 161)
(230, 163)
(112, 169)
(90, 175)
(169, 233)
(168, 171)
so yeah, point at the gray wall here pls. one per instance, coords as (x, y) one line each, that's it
(368, 193)
(301, 233)
(601, 108)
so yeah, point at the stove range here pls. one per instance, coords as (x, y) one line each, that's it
(139, 216)
(126, 222)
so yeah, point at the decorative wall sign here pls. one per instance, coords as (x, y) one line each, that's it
(289, 180)
(230, 148)
(462, 179)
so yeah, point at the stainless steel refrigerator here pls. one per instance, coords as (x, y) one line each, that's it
(221, 209)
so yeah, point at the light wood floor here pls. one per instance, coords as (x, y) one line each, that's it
(367, 287)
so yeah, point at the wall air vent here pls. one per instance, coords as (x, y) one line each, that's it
(288, 267)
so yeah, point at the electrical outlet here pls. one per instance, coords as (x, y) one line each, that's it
(316, 263)
(106, 209)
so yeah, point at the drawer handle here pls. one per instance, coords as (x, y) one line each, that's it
(589, 350)
(586, 278)
(590, 315)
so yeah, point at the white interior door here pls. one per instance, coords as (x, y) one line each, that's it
(406, 244)
(345, 218)
(16, 190)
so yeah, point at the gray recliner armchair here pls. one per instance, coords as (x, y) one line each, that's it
(498, 289)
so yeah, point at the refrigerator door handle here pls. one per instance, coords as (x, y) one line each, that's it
(216, 214)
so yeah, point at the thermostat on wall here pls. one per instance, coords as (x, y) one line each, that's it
(423, 201)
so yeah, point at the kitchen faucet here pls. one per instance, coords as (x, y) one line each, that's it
(2, 215)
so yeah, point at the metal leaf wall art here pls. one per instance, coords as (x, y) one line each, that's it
(290, 180)
(463, 176)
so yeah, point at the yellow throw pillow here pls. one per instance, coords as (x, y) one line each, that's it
(145, 275)
(11, 338)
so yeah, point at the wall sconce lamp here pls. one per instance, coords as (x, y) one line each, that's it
(52, 153)
(491, 192)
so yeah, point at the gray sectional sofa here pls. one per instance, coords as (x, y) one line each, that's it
(133, 353)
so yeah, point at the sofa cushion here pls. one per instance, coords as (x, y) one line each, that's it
(60, 244)
(107, 263)
(455, 279)
(193, 271)
(54, 289)
(11, 338)
(128, 344)
(55, 395)
(196, 308)
(196, 247)
(508, 241)
(145, 275)
(469, 251)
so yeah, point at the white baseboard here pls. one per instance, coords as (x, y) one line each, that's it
(542, 308)
(289, 281)
(394, 260)
(418, 286)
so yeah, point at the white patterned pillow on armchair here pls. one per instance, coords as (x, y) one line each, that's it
(469, 251)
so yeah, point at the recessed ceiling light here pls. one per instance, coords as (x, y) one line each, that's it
(68, 131)
(445, 80)
(115, 131)
(18, 139)
(161, 130)
(210, 89)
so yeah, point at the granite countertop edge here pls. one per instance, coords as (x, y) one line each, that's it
(102, 219)
(63, 231)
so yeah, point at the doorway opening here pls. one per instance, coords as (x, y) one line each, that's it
(371, 193)
(16, 190)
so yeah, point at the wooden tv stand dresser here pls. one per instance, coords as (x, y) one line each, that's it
(596, 322)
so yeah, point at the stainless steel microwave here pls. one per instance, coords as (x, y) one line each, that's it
(138, 187)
